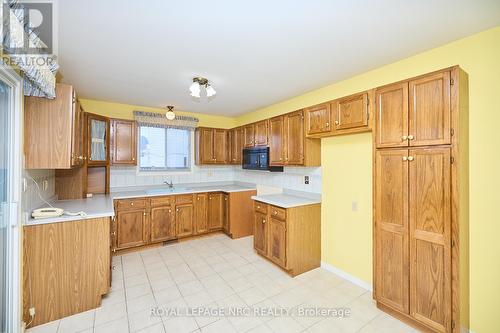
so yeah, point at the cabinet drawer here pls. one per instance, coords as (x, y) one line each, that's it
(188, 198)
(161, 201)
(260, 207)
(131, 203)
(278, 213)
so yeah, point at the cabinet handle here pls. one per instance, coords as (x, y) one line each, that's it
(170, 211)
(177, 210)
(113, 267)
(263, 221)
(404, 138)
(327, 124)
(405, 158)
(258, 207)
(275, 213)
(131, 204)
(410, 137)
(337, 122)
(410, 158)
(113, 233)
(133, 158)
(198, 198)
(114, 250)
(144, 214)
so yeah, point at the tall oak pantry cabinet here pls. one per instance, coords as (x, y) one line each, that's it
(421, 200)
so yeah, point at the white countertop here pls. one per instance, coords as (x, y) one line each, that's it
(286, 200)
(101, 205)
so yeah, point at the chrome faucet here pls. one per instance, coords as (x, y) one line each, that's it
(170, 185)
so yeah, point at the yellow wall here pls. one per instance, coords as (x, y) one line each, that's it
(346, 238)
(125, 111)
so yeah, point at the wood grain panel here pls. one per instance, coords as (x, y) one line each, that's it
(430, 119)
(201, 213)
(261, 135)
(260, 239)
(241, 214)
(96, 179)
(184, 217)
(131, 228)
(205, 145)
(249, 135)
(295, 139)
(430, 221)
(318, 119)
(220, 146)
(391, 116)
(277, 241)
(391, 220)
(163, 226)
(351, 112)
(277, 138)
(123, 142)
(214, 211)
(66, 268)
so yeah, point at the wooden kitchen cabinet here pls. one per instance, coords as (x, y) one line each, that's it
(184, 217)
(351, 114)
(123, 142)
(249, 135)
(211, 146)
(225, 213)
(282, 236)
(53, 130)
(215, 212)
(277, 139)
(201, 213)
(98, 137)
(235, 138)
(391, 115)
(163, 224)
(131, 228)
(261, 133)
(318, 119)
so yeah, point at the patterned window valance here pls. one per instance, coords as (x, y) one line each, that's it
(39, 69)
(159, 120)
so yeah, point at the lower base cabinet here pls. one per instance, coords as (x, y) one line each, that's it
(291, 238)
(163, 227)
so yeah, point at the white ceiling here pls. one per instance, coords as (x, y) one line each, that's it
(255, 52)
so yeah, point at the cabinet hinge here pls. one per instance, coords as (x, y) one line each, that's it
(452, 159)
(452, 324)
(452, 132)
(452, 82)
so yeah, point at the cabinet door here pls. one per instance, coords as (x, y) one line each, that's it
(206, 145)
(214, 211)
(391, 116)
(225, 213)
(351, 112)
(77, 140)
(294, 123)
(184, 216)
(260, 233)
(391, 221)
(131, 228)
(318, 119)
(98, 139)
(162, 224)
(236, 138)
(277, 140)
(220, 146)
(123, 142)
(277, 241)
(249, 135)
(430, 237)
(430, 110)
(261, 133)
(201, 213)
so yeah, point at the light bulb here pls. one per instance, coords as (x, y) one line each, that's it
(195, 89)
(210, 91)
(170, 115)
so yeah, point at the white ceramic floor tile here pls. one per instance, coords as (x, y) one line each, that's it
(158, 328)
(45, 328)
(77, 322)
(141, 303)
(180, 324)
(141, 320)
(220, 326)
(108, 313)
(115, 326)
(137, 291)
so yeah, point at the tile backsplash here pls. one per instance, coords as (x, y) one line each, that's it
(291, 178)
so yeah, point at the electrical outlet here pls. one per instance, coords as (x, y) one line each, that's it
(306, 180)
(45, 185)
(32, 312)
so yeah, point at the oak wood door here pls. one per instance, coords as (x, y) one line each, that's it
(123, 142)
(351, 112)
(318, 119)
(236, 145)
(260, 233)
(220, 146)
(277, 241)
(162, 224)
(201, 213)
(206, 146)
(249, 135)
(391, 116)
(430, 237)
(392, 247)
(277, 140)
(131, 228)
(214, 211)
(225, 214)
(430, 111)
(261, 135)
(294, 146)
(77, 140)
(184, 217)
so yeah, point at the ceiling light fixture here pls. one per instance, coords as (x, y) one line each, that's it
(170, 115)
(199, 82)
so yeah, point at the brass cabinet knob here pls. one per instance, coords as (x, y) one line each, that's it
(410, 137)
(258, 207)
(263, 221)
(133, 158)
(80, 158)
(337, 122)
(405, 158)
(114, 250)
(131, 204)
(404, 138)
(327, 124)
(113, 233)
(144, 213)
(275, 213)
(177, 210)
(410, 158)
(170, 211)
(113, 267)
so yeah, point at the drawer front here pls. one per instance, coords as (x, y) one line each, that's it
(131, 203)
(185, 198)
(278, 213)
(161, 201)
(260, 207)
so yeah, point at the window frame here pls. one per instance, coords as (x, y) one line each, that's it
(167, 171)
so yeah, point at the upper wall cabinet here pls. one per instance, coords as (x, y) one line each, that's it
(97, 139)
(249, 135)
(53, 136)
(211, 146)
(414, 113)
(123, 142)
(235, 138)
(350, 113)
(318, 119)
(261, 136)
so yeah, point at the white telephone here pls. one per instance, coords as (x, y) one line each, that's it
(42, 213)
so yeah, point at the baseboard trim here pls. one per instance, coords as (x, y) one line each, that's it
(346, 276)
